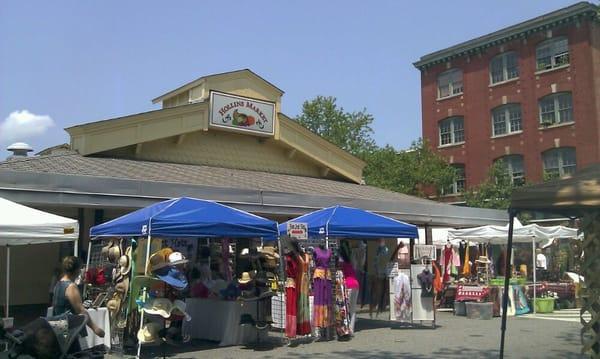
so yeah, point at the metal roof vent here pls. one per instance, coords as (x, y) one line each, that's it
(19, 149)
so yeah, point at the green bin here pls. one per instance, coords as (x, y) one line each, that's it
(544, 305)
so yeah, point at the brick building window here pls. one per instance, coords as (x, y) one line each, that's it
(504, 67)
(559, 162)
(452, 131)
(556, 108)
(450, 83)
(514, 168)
(552, 53)
(458, 186)
(506, 119)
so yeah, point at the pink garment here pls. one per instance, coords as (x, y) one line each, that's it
(349, 275)
(455, 258)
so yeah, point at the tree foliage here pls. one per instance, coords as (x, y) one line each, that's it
(495, 192)
(350, 131)
(414, 171)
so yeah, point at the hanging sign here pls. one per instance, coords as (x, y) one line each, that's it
(242, 113)
(297, 230)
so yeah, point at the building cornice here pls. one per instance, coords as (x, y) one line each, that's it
(522, 30)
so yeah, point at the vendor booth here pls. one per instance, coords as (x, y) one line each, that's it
(21, 225)
(576, 197)
(178, 265)
(498, 235)
(334, 266)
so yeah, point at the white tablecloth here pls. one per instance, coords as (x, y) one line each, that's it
(99, 316)
(219, 320)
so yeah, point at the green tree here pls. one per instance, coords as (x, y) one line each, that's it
(350, 131)
(495, 192)
(416, 171)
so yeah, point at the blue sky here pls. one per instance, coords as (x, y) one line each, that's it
(81, 61)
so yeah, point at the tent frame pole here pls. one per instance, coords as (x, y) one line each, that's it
(7, 281)
(139, 348)
(533, 259)
(507, 272)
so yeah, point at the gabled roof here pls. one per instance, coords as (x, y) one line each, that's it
(543, 22)
(199, 80)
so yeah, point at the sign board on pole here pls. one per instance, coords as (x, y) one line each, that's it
(297, 230)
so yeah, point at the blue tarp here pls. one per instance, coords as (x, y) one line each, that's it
(188, 217)
(348, 222)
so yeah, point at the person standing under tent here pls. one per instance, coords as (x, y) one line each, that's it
(380, 280)
(352, 284)
(66, 297)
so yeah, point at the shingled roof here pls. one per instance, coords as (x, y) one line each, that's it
(74, 164)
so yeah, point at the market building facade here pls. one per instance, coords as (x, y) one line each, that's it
(221, 137)
(528, 94)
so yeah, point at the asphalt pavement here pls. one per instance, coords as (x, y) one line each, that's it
(453, 337)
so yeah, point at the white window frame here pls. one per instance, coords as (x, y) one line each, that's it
(461, 177)
(503, 57)
(453, 130)
(557, 111)
(561, 153)
(508, 120)
(558, 57)
(455, 85)
(515, 177)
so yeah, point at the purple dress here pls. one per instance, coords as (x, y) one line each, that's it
(322, 316)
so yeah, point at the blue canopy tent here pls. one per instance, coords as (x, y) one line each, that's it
(349, 222)
(188, 217)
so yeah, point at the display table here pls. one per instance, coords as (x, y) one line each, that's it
(101, 318)
(219, 321)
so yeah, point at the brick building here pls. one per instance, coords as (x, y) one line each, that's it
(528, 94)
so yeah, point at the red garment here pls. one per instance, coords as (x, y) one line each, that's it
(291, 295)
(447, 264)
(437, 279)
(349, 275)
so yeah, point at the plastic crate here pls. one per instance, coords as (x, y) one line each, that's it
(460, 309)
(479, 310)
(544, 305)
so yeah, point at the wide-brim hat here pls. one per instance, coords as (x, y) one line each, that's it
(122, 286)
(179, 307)
(114, 305)
(269, 252)
(245, 278)
(148, 333)
(125, 262)
(483, 259)
(172, 276)
(176, 258)
(159, 306)
(159, 259)
(112, 251)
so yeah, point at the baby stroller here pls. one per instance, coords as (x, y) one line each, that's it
(52, 337)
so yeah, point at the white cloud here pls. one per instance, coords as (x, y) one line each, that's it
(22, 125)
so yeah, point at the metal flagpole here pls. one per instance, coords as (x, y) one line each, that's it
(507, 273)
(7, 280)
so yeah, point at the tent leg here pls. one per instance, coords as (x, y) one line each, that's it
(534, 274)
(76, 247)
(139, 348)
(7, 281)
(511, 217)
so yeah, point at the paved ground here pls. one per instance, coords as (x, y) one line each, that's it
(550, 336)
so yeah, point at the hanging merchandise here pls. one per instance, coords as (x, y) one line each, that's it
(342, 320)
(322, 288)
(467, 262)
(423, 251)
(303, 305)
(291, 294)
(402, 299)
(447, 262)
(425, 279)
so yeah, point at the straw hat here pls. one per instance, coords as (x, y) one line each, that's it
(245, 278)
(149, 333)
(122, 286)
(114, 305)
(484, 260)
(159, 306)
(159, 259)
(269, 252)
(125, 261)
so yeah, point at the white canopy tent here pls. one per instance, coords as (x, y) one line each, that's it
(21, 225)
(522, 234)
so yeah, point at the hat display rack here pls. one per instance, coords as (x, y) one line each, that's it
(106, 284)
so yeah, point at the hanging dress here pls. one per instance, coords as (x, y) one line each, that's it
(322, 288)
(447, 264)
(402, 298)
(302, 287)
(291, 294)
(342, 317)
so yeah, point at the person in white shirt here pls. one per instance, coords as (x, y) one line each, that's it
(541, 265)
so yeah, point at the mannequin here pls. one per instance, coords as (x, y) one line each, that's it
(302, 290)
(380, 282)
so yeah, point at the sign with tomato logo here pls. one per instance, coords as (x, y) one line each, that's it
(242, 113)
